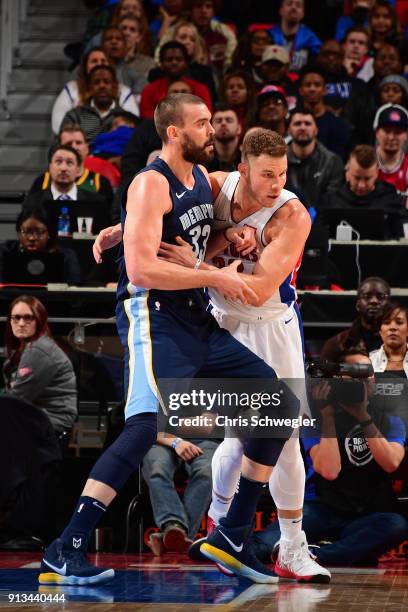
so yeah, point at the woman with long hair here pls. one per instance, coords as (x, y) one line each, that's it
(383, 25)
(76, 92)
(238, 90)
(248, 54)
(36, 369)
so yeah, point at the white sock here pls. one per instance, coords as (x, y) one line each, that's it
(290, 528)
(226, 468)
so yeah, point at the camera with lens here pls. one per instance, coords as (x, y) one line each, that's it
(346, 380)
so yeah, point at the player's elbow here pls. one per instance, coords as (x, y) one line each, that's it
(140, 278)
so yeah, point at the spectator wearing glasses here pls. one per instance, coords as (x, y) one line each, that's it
(271, 109)
(373, 296)
(248, 54)
(36, 235)
(37, 370)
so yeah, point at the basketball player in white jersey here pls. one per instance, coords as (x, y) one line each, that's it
(255, 197)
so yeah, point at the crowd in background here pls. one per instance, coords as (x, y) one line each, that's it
(333, 83)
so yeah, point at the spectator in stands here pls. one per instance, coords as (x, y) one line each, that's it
(394, 90)
(64, 167)
(350, 508)
(137, 50)
(237, 89)
(356, 59)
(275, 71)
(333, 131)
(36, 235)
(114, 45)
(271, 110)
(170, 14)
(220, 40)
(392, 356)
(364, 101)
(358, 17)
(362, 190)
(145, 139)
(313, 170)
(76, 92)
(391, 132)
(109, 146)
(187, 34)
(174, 63)
(373, 296)
(248, 54)
(178, 520)
(227, 137)
(37, 370)
(338, 82)
(132, 11)
(383, 25)
(97, 115)
(302, 44)
(91, 177)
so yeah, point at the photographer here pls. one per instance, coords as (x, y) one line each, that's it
(349, 501)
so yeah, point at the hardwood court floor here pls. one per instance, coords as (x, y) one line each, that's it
(173, 583)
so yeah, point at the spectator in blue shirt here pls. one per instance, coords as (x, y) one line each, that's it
(300, 41)
(358, 17)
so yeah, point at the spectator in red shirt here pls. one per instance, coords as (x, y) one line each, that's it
(391, 131)
(174, 63)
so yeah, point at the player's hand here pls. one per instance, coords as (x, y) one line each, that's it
(180, 253)
(106, 239)
(233, 286)
(187, 450)
(242, 237)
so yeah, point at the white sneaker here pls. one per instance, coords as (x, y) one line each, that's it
(295, 561)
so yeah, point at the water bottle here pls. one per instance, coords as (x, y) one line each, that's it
(64, 226)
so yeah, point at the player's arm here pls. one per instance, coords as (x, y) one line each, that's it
(286, 236)
(148, 201)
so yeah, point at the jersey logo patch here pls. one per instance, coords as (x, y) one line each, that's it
(180, 195)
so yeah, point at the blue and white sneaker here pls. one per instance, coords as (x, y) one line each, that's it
(230, 547)
(65, 566)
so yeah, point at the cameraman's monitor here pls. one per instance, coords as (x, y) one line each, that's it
(370, 224)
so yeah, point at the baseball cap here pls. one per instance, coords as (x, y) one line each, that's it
(277, 53)
(271, 91)
(391, 115)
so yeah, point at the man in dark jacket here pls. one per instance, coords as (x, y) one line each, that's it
(313, 170)
(363, 191)
(373, 295)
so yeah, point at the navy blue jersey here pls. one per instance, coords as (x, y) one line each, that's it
(191, 217)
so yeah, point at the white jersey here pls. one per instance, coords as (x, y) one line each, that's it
(278, 304)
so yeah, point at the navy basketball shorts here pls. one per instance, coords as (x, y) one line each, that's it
(176, 338)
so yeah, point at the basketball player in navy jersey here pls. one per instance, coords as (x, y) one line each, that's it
(168, 333)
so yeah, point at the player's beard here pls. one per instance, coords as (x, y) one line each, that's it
(193, 153)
